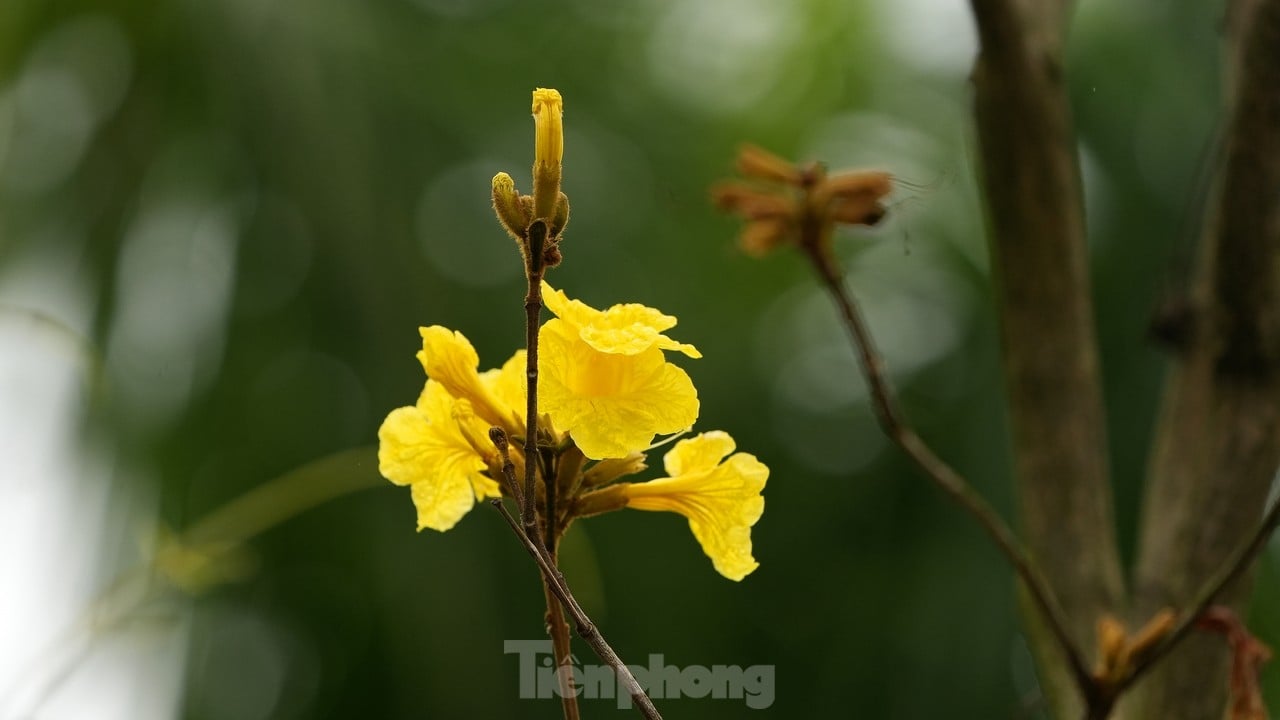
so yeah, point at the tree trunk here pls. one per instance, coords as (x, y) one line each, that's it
(1218, 441)
(1040, 266)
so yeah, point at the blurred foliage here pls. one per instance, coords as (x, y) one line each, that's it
(255, 204)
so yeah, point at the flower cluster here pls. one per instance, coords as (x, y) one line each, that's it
(607, 391)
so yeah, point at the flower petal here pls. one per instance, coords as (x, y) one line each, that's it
(699, 453)
(402, 443)
(449, 358)
(627, 329)
(508, 385)
(442, 504)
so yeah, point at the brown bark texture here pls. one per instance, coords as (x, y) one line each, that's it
(1040, 264)
(1217, 445)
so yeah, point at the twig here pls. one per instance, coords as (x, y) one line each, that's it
(537, 238)
(545, 546)
(942, 475)
(1226, 574)
(583, 625)
(551, 531)
(554, 582)
(558, 629)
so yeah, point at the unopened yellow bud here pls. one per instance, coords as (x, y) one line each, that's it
(508, 206)
(569, 471)
(610, 469)
(561, 218)
(548, 110)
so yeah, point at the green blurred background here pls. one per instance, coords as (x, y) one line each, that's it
(221, 225)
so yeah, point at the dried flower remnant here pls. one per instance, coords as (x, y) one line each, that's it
(784, 203)
(1247, 657)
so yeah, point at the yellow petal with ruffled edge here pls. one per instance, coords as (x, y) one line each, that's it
(626, 329)
(425, 447)
(721, 500)
(449, 359)
(611, 404)
(697, 454)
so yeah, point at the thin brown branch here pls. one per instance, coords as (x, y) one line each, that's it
(537, 238)
(1239, 561)
(582, 624)
(558, 629)
(551, 520)
(943, 476)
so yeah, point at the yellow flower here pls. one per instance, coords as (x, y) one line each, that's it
(440, 447)
(720, 497)
(548, 109)
(605, 379)
(432, 448)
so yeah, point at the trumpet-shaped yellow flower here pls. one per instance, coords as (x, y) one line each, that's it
(720, 497)
(605, 379)
(440, 447)
(432, 448)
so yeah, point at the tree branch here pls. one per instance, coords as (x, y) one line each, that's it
(1040, 268)
(558, 629)
(554, 582)
(1238, 563)
(942, 475)
(1218, 441)
(583, 625)
(537, 238)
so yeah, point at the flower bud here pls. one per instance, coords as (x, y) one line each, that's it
(548, 109)
(507, 206)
